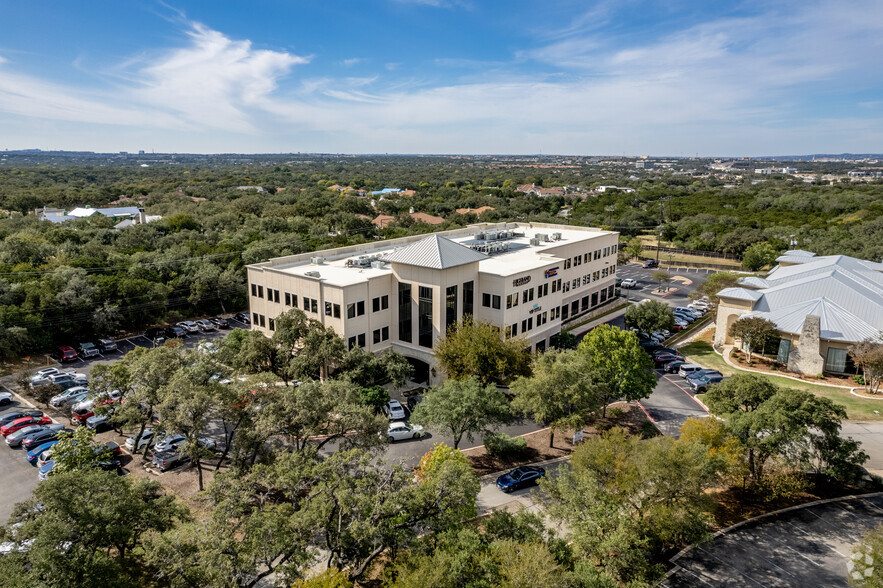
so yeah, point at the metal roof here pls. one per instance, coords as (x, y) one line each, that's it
(740, 294)
(836, 323)
(435, 252)
(753, 282)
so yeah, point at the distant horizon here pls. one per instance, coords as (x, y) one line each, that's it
(444, 77)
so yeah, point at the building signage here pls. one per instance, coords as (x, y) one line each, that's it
(536, 308)
(551, 272)
(521, 281)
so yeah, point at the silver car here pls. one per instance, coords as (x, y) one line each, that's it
(67, 396)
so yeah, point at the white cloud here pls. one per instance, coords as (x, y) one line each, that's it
(351, 61)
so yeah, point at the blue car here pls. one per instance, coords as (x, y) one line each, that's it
(520, 478)
(34, 454)
(46, 469)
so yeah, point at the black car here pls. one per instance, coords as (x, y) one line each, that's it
(156, 334)
(112, 464)
(242, 317)
(176, 332)
(660, 359)
(648, 263)
(650, 346)
(40, 437)
(221, 322)
(668, 350)
(107, 345)
(20, 414)
(520, 478)
(672, 367)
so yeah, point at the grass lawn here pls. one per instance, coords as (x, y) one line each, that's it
(856, 408)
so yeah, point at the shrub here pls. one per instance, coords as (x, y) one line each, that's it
(615, 412)
(859, 379)
(502, 445)
(649, 430)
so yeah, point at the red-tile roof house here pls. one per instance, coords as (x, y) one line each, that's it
(422, 217)
(477, 211)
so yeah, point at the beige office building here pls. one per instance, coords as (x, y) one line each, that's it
(403, 294)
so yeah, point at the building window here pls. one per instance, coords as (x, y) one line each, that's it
(578, 260)
(468, 295)
(784, 351)
(361, 339)
(836, 360)
(288, 299)
(327, 309)
(336, 311)
(527, 295)
(515, 330)
(405, 312)
(575, 283)
(450, 307)
(254, 318)
(565, 312)
(585, 303)
(566, 287)
(380, 303)
(254, 290)
(381, 334)
(272, 324)
(508, 332)
(314, 305)
(586, 279)
(586, 258)
(260, 291)
(490, 300)
(542, 290)
(567, 263)
(595, 299)
(350, 343)
(556, 285)
(511, 300)
(596, 276)
(276, 296)
(574, 307)
(351, 310)
(603, 295)
(424, 316)
(262, 317)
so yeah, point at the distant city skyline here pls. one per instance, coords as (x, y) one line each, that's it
(678, 79)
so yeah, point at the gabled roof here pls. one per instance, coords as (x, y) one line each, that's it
(740, 294)
(753, 282)
(836, 323)
(434, 252)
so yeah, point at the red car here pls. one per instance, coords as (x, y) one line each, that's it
(66, 353)
(22, 423)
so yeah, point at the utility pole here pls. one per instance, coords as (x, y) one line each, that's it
(661, 221)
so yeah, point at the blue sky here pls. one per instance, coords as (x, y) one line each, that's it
(443, 76)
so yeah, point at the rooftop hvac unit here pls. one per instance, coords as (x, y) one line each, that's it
(378, 264)
(542, 237)
(313, 274)
(317, 260)
(556, 236)
(535, 241)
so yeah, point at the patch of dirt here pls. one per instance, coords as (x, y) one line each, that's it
(620, 414)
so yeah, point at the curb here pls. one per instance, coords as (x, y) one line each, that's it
(726, 359)
(494, 475)
(752, 520)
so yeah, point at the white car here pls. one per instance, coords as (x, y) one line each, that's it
(5, 398)
(399, 431)
(65, 397)
(146, 437)
(169, 443)
(688, 368)
(189, 326)
(629, 283)
(44, 374)
(394, 410)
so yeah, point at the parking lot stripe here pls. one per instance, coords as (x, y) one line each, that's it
(693, 398)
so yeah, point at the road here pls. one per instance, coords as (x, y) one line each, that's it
(19, 477)
(671, 404)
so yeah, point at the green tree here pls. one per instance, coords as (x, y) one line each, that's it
(77, 451)
(628, 501)
(375, 396)
(462, 407)
(87, 528)
(714, 284)
(757, 256)
(649, 316)
(618, 365)
(755, 332)
(868, 355)
(475, 348)
(661, 277)
(560, 393)
(634, 248)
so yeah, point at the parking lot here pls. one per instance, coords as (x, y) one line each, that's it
(672, 403)
(683, 282)
(19, 477)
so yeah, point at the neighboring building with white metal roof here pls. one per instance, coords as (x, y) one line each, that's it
(820, 304)
(403, 294)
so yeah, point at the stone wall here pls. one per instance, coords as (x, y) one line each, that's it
(805, 357)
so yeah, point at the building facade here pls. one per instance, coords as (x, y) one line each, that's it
(404, 294)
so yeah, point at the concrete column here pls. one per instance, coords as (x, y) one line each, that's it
(805, 357)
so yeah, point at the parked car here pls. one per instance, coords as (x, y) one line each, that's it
(649, 263)
(84, 410)
(702, 383)
(166, 460)
(66, 353)
(629, 283)
(67, 396)
(687, 369)
(701, 305)
(14, 439)
(220, 322)
(19, 414)
(87, 350)
(684, 317)
(205, 325)
(189, 326)
(19, 424)
(668, 350)
(672, 367)
(703, 372)
(107, 345)
(45, 470)
(520, 478)
(399, 431)
(650, 346)
(44, 374)
(146, 437)
(5, 398)
(97, 422)
(175, 332)
(66, 381)
(156, 334)
(169, 443)
(242, 317)
(394, 410)
(413, 401)
(661, 359)
(50, 433)
(35, 453)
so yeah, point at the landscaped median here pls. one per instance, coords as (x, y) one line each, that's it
(702, 353)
